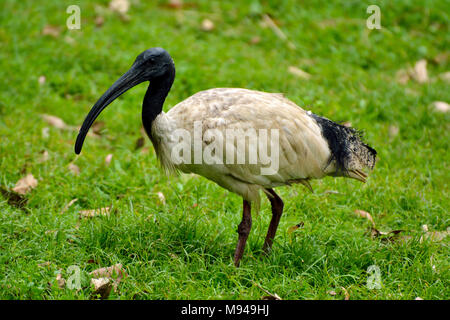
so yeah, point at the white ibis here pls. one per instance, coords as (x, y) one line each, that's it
(306, 147)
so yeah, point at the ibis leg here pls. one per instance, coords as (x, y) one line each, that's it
(243, 230)
(277, 211)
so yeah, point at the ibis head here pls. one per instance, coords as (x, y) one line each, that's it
(154, 64)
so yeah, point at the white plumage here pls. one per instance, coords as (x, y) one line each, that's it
(307, 146)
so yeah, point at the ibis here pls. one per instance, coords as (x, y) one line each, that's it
(246, 141)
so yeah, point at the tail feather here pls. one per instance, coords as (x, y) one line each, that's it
(348, 151)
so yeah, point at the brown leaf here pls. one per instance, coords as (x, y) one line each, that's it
(67, 206)
(332, 293)
(297, 226)
(55, 122)
(50, 30)
(255, 40)
(60, 280)
(95, 212)
(365, 214)
(441, 106)
(25, 184)
(346, 294)
(140, 142)
(14, 199)
(44, 156)
(435, 236)
(207, 25)
(441, 57)
(102, 287)
(375, 233)
(162, 198)
(393, 131)
(402, 76)
(299, 72)
(108, 159)
(115, 273)
(419, 72)
(120, 6)
(74, 169)
(41, 80)
(99, 21)
(270, 296)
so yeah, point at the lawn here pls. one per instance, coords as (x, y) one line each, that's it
(175, 236)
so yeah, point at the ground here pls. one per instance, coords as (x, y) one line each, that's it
(181, 247)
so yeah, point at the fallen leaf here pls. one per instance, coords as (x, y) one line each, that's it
(445, 76)
(44, 156)
(435, 236)
(255, 40)
(50, 30)
(207, 25)
(45, 132)
(402, 76)
(67, 206)
(102, 287)
(425, 228)
(297, 226)
(419, 72)
(441, 57)
(41, 80)
(441, 106)
(365, 214)
(74, 169)
(162, 198)
(270, 296)
(44, 264)
(95, 212)
(115, 273)
(55, 121)
(14, 199)
(25, 184)
(418, 298)
(120, 6)
(299, 73)
(332, 293)
(108, 159)
(140, 142)
(393, 131)
(347, 124)
(99, 21)
(375, 233)
(346, 294)
(60, 280)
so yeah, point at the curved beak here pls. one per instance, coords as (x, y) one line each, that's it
(127, 81)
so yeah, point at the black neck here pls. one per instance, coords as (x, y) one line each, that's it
(155, 96)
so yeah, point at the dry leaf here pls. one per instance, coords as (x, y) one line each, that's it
(99, 21)
(435, 236)
(441, 106)
(375, 233)
(140, 142)
(441, 57)
(365, 214)
(269, 296)
(55, 122)
(346, 294)
(255, 40)
(44, 264)
(115, 273)
(41, 80)
(419, 73)
(108, 159)
(402, 76)
(67, 206)
(102, 287)
(297, 226)
(74, 169)
(162, 198)
(299, 73)
(418, 298)
(14, 199)
(95, 212)
(25, 184)
(44, 156)
(207, 25)
(393, 131)
(120, 6)
(445, 76)
(332, 293)
(347, 124)
(50, 30)
(60, 280)
(425, 228)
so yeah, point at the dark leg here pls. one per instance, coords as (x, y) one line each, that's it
(243, 230)
(277, 211)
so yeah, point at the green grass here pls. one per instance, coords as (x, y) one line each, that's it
(184, 249)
